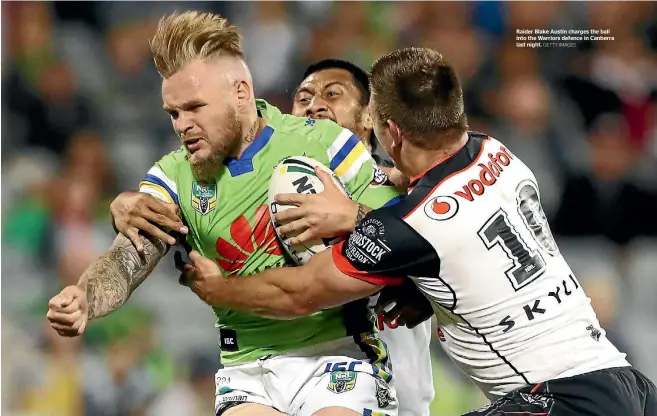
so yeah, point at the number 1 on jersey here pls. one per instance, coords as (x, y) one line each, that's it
(528, 264)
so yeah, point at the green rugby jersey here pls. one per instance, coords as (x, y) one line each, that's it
(229, 222)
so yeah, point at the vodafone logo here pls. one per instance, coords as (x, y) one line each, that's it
(441, 208)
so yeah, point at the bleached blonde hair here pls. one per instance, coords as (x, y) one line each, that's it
(182, 38)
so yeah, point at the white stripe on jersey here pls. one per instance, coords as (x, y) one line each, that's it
(338, 143)
(157, 172)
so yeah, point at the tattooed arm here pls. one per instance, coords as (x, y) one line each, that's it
(104, 286)
(360, 214)
(110, 280)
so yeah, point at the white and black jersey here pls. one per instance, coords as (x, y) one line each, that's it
(473, 236)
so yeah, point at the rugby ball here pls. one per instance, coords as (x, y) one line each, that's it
(297, 175)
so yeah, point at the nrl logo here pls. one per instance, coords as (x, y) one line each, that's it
(204, 197)
(342, 381)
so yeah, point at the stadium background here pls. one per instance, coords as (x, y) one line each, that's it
(82, 120)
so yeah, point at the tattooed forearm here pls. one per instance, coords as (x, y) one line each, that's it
(110, 281)
(362, 211)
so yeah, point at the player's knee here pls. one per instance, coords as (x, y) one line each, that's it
(336, 411)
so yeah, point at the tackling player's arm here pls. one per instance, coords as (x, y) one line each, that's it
(277, 293)
(353, 269)
(133, 212)
(329, 213)
(154, 210)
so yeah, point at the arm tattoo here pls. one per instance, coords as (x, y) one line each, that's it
(362, 211)
(110, 281)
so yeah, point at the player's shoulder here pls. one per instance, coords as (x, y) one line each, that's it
(312, 129)
(163, 177)
(286, 125)
(174, 159)
(482, 155)
(476, 165)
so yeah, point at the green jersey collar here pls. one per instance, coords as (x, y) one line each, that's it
(244, 164)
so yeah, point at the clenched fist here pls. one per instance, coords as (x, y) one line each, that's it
(68, 312)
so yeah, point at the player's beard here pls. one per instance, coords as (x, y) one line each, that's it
(226, 144)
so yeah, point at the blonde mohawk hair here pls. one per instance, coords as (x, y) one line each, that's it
(182, 38)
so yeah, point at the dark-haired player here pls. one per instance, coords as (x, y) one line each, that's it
(472, 236)
(339, 90)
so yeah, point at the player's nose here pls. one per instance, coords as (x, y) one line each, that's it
(317, 109)
(183, 125)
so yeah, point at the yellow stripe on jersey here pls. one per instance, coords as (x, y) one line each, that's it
(212, 205)
(380, 365)
(156, 190)
(365, 157)
(353, 161)
(157, 177)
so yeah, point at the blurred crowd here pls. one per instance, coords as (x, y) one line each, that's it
(82, 120)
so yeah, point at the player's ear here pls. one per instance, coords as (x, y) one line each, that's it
(244, 94)
(366, 119)
(395, 133)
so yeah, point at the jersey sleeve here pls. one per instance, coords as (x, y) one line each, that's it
(160, 181)
(353, 164)
(384, 250)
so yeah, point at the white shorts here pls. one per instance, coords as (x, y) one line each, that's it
(411, 361)
(338, 373)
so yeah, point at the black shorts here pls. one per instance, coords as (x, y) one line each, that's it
(611, 392)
